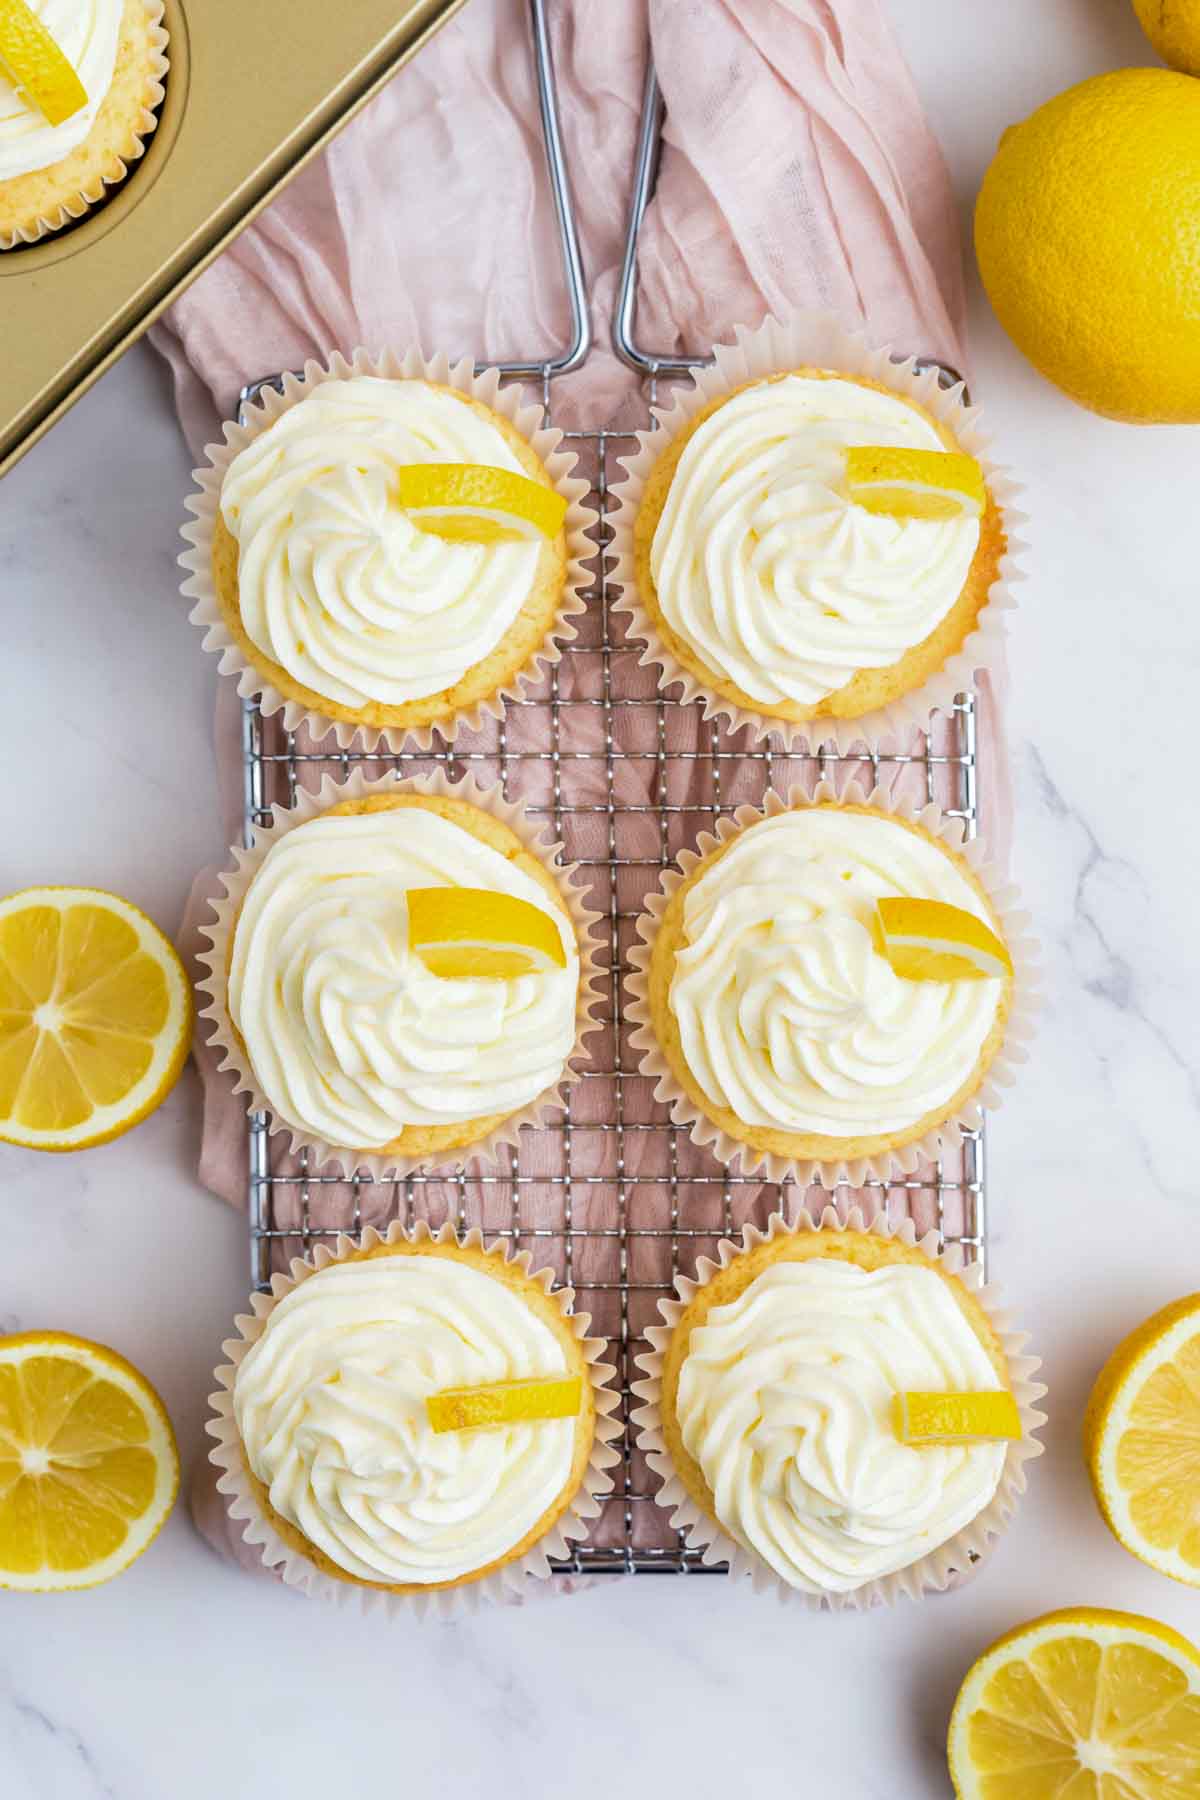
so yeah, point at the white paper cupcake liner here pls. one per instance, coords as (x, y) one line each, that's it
(236, 881)
(204, 503)
(932, 1572)
(94, 190)
(504, 1584)
(818, 340)
(888, 1165)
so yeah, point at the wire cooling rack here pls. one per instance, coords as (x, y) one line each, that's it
(630, 1201)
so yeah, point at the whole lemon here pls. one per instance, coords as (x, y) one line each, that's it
(1173, 27)
(1087, 230)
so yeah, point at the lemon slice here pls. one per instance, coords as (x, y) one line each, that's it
(1085, 1704)
(470, 503)
(464, 933)
(35, 65)
(88, 1465)
(95, 1017)
(1142, 1441)
(504, 1403)
(927, 940)
(914, 484)
(984, 1418)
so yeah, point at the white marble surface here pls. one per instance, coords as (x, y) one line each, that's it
(186, 1679)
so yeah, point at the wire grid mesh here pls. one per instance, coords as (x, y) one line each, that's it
(613, 1197)
(617, 1200)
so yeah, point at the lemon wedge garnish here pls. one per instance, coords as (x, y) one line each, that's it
(1142, 1441)
(981, 1418)
(460, 933)
(470, 503)
(1087, 1704)
(35, 65)
(504, 1403)
(88, 1466)
(95, 1017)
(927, 940)
(914, 484)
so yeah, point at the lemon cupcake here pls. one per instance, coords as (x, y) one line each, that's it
(387, 547)
(78, 86)
(413, 1416)
(826, 988)
(796, 1409)
(780, 548)
(397, 976)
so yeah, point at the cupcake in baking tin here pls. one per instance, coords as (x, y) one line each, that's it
(50, 174)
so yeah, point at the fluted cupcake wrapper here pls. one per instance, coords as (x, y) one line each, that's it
(213, 986)
(931, 1573)
(811, 339)
(204, 503)
(93, 191)
(887, 1165)
(504, 1584)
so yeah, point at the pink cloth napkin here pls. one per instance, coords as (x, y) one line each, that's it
(797, 171)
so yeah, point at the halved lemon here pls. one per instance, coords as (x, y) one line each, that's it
(88, 1465)
(95, 1017)
(504, 1403)
(471, 503)
(927, 940)
(988, 1417)
(1085, 1704)
(914, 484)
(31, 58)
(464, 933)
(1142, 1441)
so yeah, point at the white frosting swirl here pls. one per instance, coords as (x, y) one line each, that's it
(335, 582)
(87, 32)
(764, 567)
(788, 1014)
(350, 1037)
(330, 1405)
(784, 1401)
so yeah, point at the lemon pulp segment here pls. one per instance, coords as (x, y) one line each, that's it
(924, 1418)
(504, 1403)
(464, 933)
(471, 503)
(31, 58)
(928, 940)
(914, 484)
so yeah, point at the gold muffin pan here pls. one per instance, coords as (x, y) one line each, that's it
(612, 1197)
(255, 88)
